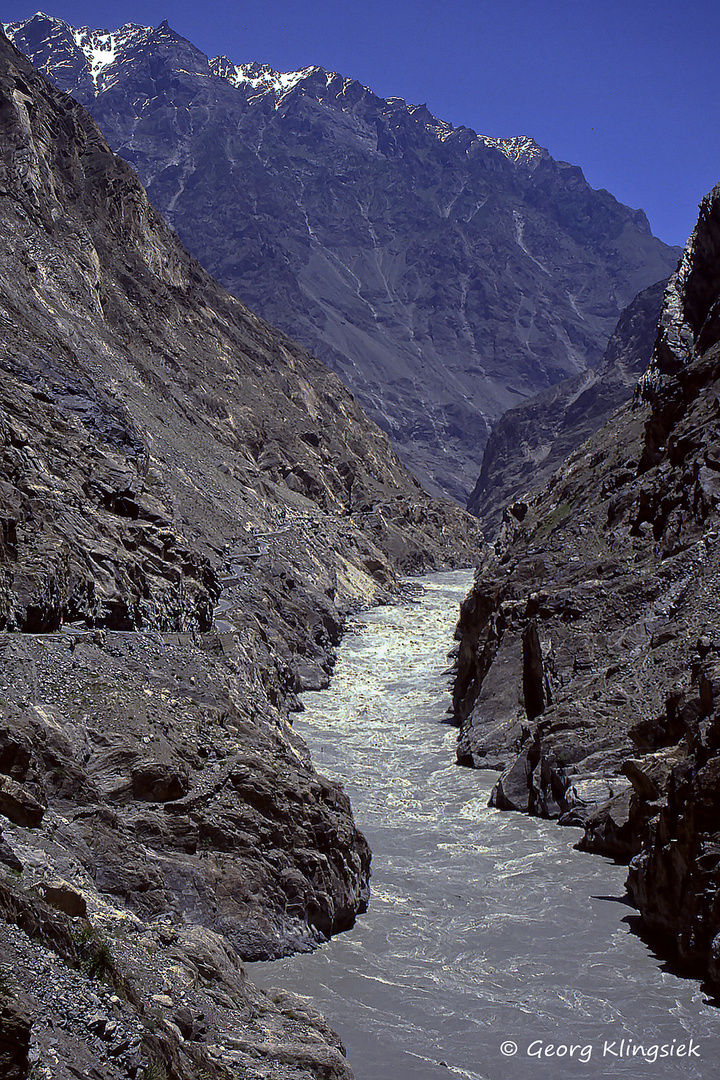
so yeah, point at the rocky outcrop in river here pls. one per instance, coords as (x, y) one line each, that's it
(190, 505)
(588, 663)
(443, 274)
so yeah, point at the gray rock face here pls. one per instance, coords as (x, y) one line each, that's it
(184, 790)
(533, 439)
(614, 564)
(621, 827)
(442, 274)
(674, 880)
(188, 1010)
(191, 504)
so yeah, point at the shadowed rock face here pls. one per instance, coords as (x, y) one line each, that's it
(442, 274)
(190, 504)
(532, 440)
(614, 564)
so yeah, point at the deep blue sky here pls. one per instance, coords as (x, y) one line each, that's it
(627, 89)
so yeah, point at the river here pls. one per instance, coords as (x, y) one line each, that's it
(491, 948)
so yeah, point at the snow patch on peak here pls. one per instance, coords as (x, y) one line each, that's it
(102, 47)
(14, 27)
(259, 77)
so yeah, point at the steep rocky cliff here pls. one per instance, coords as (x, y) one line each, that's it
(444, 275)
(529, 442)
(590, 646)
(189, 505)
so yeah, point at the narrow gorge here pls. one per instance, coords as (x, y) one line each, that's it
(166, 457)
(484, 927)
(590, 640)
(202, 534)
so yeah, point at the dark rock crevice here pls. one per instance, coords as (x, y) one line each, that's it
(533, 672)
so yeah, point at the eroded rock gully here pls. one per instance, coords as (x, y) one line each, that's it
(589, 657)
(190, 504)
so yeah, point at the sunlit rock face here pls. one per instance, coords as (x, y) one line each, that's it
(444, 275)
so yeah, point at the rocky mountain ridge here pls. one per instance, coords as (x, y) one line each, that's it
(588, 669)
(444, 275)
(529, 442)
(191, 504)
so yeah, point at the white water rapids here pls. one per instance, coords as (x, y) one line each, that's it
(486, 930)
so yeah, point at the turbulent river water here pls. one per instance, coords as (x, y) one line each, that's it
(491, 948)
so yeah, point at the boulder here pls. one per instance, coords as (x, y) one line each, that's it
(8, 856)
(608, 831)
(191, 1022)
(512, 791)
(18, 805)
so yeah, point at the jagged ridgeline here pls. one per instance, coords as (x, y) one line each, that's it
(445, 275)
(589, 665)
(166, 456)
(532, 440)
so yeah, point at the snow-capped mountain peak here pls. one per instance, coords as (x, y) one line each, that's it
(102, 47)
(87, 53)
(259, 77)
(96, 53)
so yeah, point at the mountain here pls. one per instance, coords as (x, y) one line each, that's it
(529, 442)
(589, 665)
(190, 506)
(443, 274)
